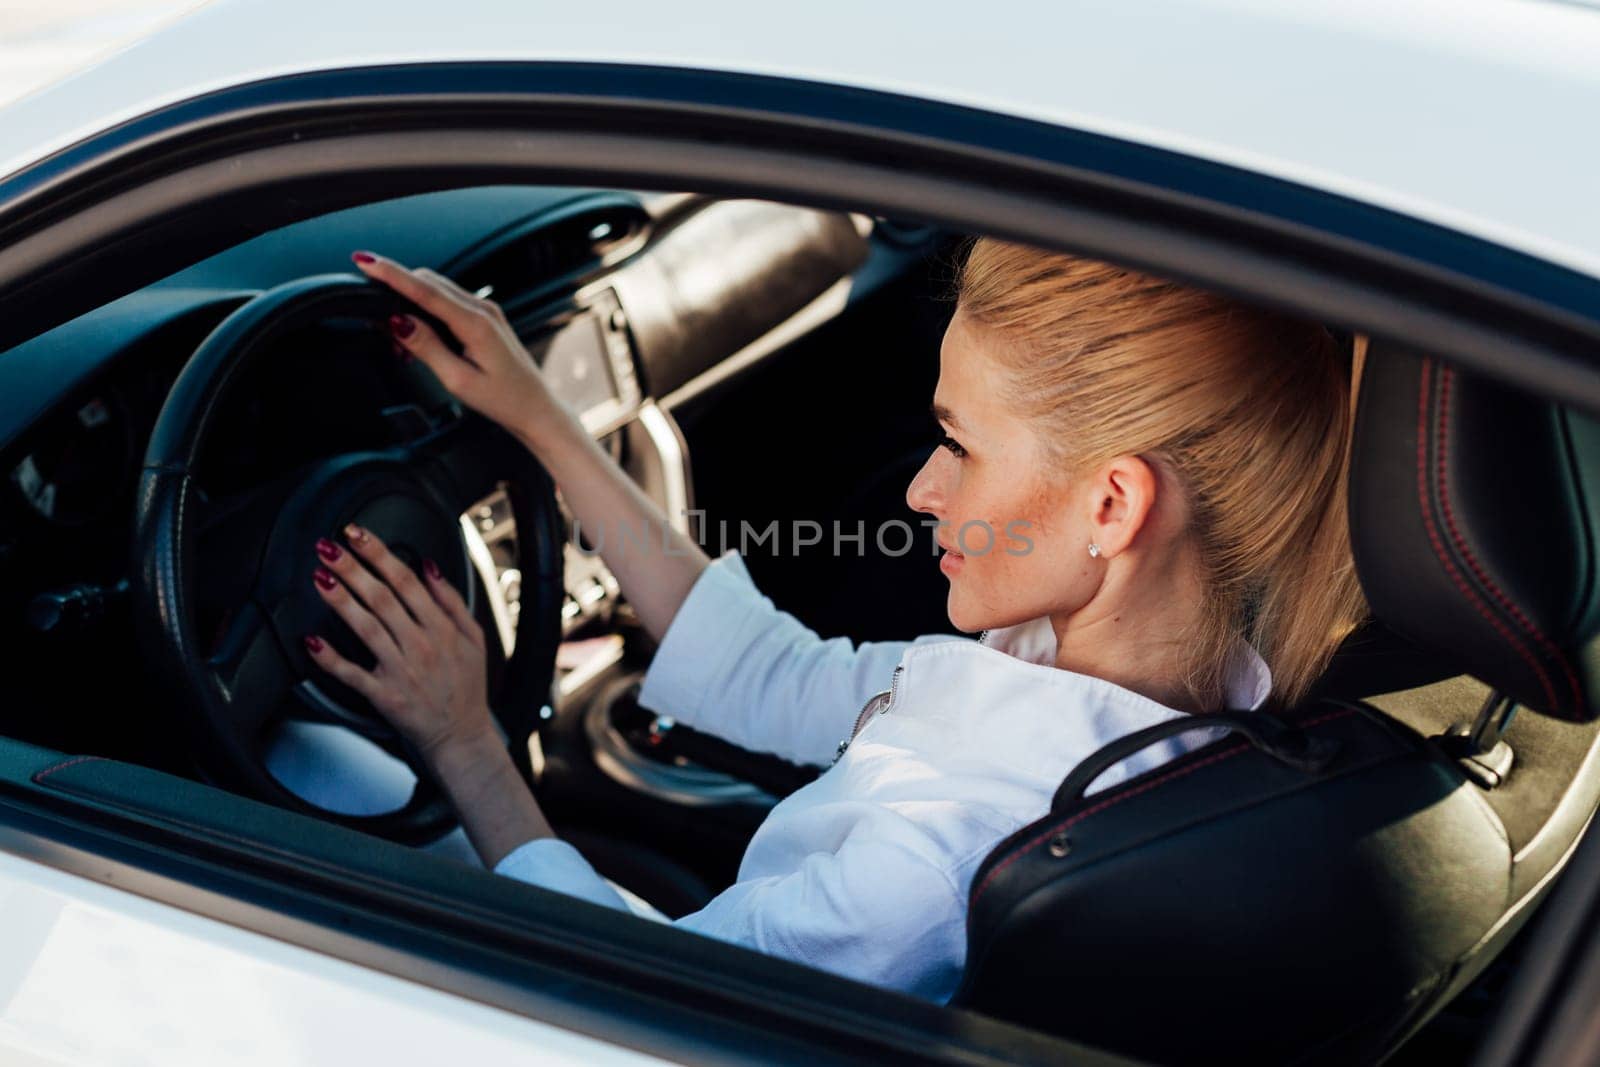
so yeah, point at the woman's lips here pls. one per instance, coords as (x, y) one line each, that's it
(951, 562)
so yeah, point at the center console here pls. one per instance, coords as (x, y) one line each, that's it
(719, 286)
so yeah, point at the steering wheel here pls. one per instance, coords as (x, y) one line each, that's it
(237, 690)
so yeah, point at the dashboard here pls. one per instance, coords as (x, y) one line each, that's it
(632, 303)
(586, 357)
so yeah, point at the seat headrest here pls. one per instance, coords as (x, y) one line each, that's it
(1472, 521)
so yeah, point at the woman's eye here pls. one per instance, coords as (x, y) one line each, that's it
(954, 446)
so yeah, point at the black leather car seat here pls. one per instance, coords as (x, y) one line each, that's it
(1247, 903)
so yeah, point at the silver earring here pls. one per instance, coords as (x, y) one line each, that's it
(1094, 550)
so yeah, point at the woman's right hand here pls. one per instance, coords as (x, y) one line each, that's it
(494, 375)
(497, 377)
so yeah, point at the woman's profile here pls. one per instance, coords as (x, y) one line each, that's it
(1140, 494)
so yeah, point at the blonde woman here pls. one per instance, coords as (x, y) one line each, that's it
(1160, 474)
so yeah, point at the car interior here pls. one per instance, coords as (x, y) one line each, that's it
(1346, 883)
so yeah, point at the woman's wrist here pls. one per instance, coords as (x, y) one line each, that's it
(463, 755)
(494, 803)
(544, 423)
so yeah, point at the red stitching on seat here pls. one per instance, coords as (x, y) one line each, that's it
(54, 767)
(1472, 562)
(1172, 775)
(1444, 556)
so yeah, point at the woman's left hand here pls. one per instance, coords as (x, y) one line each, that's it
(430, 681)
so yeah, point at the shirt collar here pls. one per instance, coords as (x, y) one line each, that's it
(1002, 700)
(1249, 679)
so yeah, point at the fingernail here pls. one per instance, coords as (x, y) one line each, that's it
(328, 550)
(363, 257)
(433, 570)
(313, 642)
(356, 534)
(324, 577)
(402, 325)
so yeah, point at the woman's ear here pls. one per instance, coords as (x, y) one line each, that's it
(1122, 494)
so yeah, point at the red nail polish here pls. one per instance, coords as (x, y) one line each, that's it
(402, 325)
(433, 570)
(324, 577)
(363, 257)
(328, 550)
(313, 642)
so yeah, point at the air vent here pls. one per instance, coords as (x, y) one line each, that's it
(554, 250)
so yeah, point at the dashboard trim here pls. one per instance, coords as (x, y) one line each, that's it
(673, 457)
(827, 306)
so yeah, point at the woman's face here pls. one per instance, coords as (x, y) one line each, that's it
(1016, 534)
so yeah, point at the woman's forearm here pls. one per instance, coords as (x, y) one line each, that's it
(496, 808)
(654, 563)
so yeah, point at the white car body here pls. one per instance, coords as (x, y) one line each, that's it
(95, 975)
(1477, 116)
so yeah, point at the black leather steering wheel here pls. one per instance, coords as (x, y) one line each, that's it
(235, 689)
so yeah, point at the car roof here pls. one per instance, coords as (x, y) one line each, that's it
(1474, 114)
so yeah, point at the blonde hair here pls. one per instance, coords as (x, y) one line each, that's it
(1249, 409)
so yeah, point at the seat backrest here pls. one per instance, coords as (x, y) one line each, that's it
(1473, 510)
(1228, 907)
(1475, 524)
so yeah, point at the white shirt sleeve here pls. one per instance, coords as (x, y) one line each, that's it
(871, 910)
(733, 665)
(872, 907)
(554, 864)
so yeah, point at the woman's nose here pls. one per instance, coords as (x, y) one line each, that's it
(923, 493)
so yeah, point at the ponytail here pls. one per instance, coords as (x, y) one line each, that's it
(1251, 410)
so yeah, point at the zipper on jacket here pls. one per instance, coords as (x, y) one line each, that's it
(870, 708)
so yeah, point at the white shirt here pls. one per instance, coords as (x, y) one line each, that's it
(866, 871)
